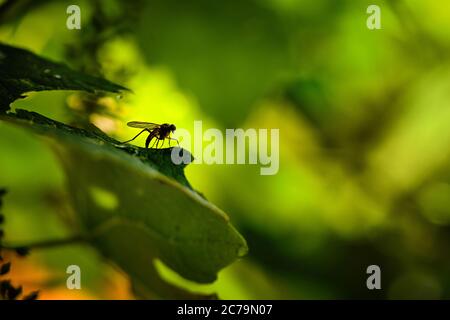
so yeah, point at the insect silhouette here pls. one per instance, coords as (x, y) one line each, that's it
(159, 132)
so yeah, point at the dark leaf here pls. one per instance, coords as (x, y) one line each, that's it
(22, 251)
(23, 71)
(5, 285)
(4, 269)
(31, 296)
(13, 293)
(138, 206)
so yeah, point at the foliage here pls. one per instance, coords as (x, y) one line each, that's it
(134, 205)
(7, 290)
(364, 138)
(23, 72)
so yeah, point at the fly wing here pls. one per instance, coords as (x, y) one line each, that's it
(142, 125)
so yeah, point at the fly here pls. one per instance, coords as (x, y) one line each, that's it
(159, 132)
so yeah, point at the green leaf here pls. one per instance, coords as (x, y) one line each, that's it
(138, 206)
(22, 71)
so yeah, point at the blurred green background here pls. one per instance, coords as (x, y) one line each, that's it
(364, 136)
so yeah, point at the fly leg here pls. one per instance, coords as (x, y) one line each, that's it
(154, 142)
(135, 136)
(173, 139)
(149, 139)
